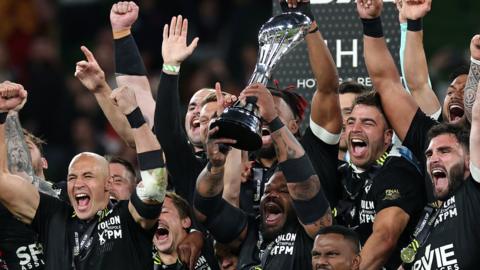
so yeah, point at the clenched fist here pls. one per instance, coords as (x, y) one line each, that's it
(12, 96)
(123, 15)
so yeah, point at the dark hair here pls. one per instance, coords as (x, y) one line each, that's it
(297, 103)
(121, 161)
(371, 98)
(182, 206)
(352, 87)
(461, 133)
(38, 142)
(347, 233)
(461, 70)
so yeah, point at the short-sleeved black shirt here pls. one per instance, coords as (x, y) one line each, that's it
(117, 241)
(398, 183)
(18, 243)
(454, 242)
(291, 249)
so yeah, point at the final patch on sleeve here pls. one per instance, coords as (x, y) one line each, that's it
(392, 194)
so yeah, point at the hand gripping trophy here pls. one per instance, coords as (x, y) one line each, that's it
(276, 37)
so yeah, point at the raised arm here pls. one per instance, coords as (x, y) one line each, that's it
(146, 202)
(19, 196)
(415, 61)
(129, 67)
(93, 78)
(475, 129)
(399, 106)
(473, 77)
(225, 222)
(310, 204)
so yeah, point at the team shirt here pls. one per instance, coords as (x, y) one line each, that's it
(290, 250)
(111, 240)
(19, 247)
(394, 181)
(454, 240)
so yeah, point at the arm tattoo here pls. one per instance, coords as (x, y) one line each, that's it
(304, 190)
(471, 89)
(19, 159)
(286, 145)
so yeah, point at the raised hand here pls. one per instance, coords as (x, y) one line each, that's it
(293, 3)
(475, 47)
(124, 98)
(89, 72)
(123, 15)
(223, 100)
(416, 9)
(369, 9)
(174, 45)
(401, 15)
(12, 96)
(264, 101)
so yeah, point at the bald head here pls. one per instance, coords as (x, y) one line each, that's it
(99, 161)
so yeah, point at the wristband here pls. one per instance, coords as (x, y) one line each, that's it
(171, 68)
(135, 118)
(3, 117)
(148, 211)
(309, 211)
(475, 61)
(297, 170)
(128, 60)
(414, 25)
(122, 33)
(313, 30)
(150, 160)
(275, 124)
(373, 27)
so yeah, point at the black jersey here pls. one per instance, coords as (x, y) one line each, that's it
(454, 240)
(18, 243)
(291, 249)
(395, 183)
(111, 240)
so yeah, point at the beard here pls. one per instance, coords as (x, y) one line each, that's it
(455, 180)
(266, 152)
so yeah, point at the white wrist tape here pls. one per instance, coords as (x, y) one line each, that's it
(154, 184)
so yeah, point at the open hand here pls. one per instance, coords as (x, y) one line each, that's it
(174, 45)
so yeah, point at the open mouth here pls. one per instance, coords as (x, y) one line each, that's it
(82, 200)
(439, 178)
(273, 213)
(195, 124)
(162, 232)
(266, 138)
(456, 112)
(358, 146)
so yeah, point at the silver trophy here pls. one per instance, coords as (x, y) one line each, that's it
(276, 37)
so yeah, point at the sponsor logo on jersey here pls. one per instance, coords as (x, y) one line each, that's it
(367, 211)
(284, 244)
(202, 264)
(28, 256)
(391, 195)
(109, 229)
(439, 258)
(448, 211)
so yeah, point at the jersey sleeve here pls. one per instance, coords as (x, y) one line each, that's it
(416, 138)
(400, 184)
(47, 208)
(324, 158)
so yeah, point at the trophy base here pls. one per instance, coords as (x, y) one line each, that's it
(247, 139)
